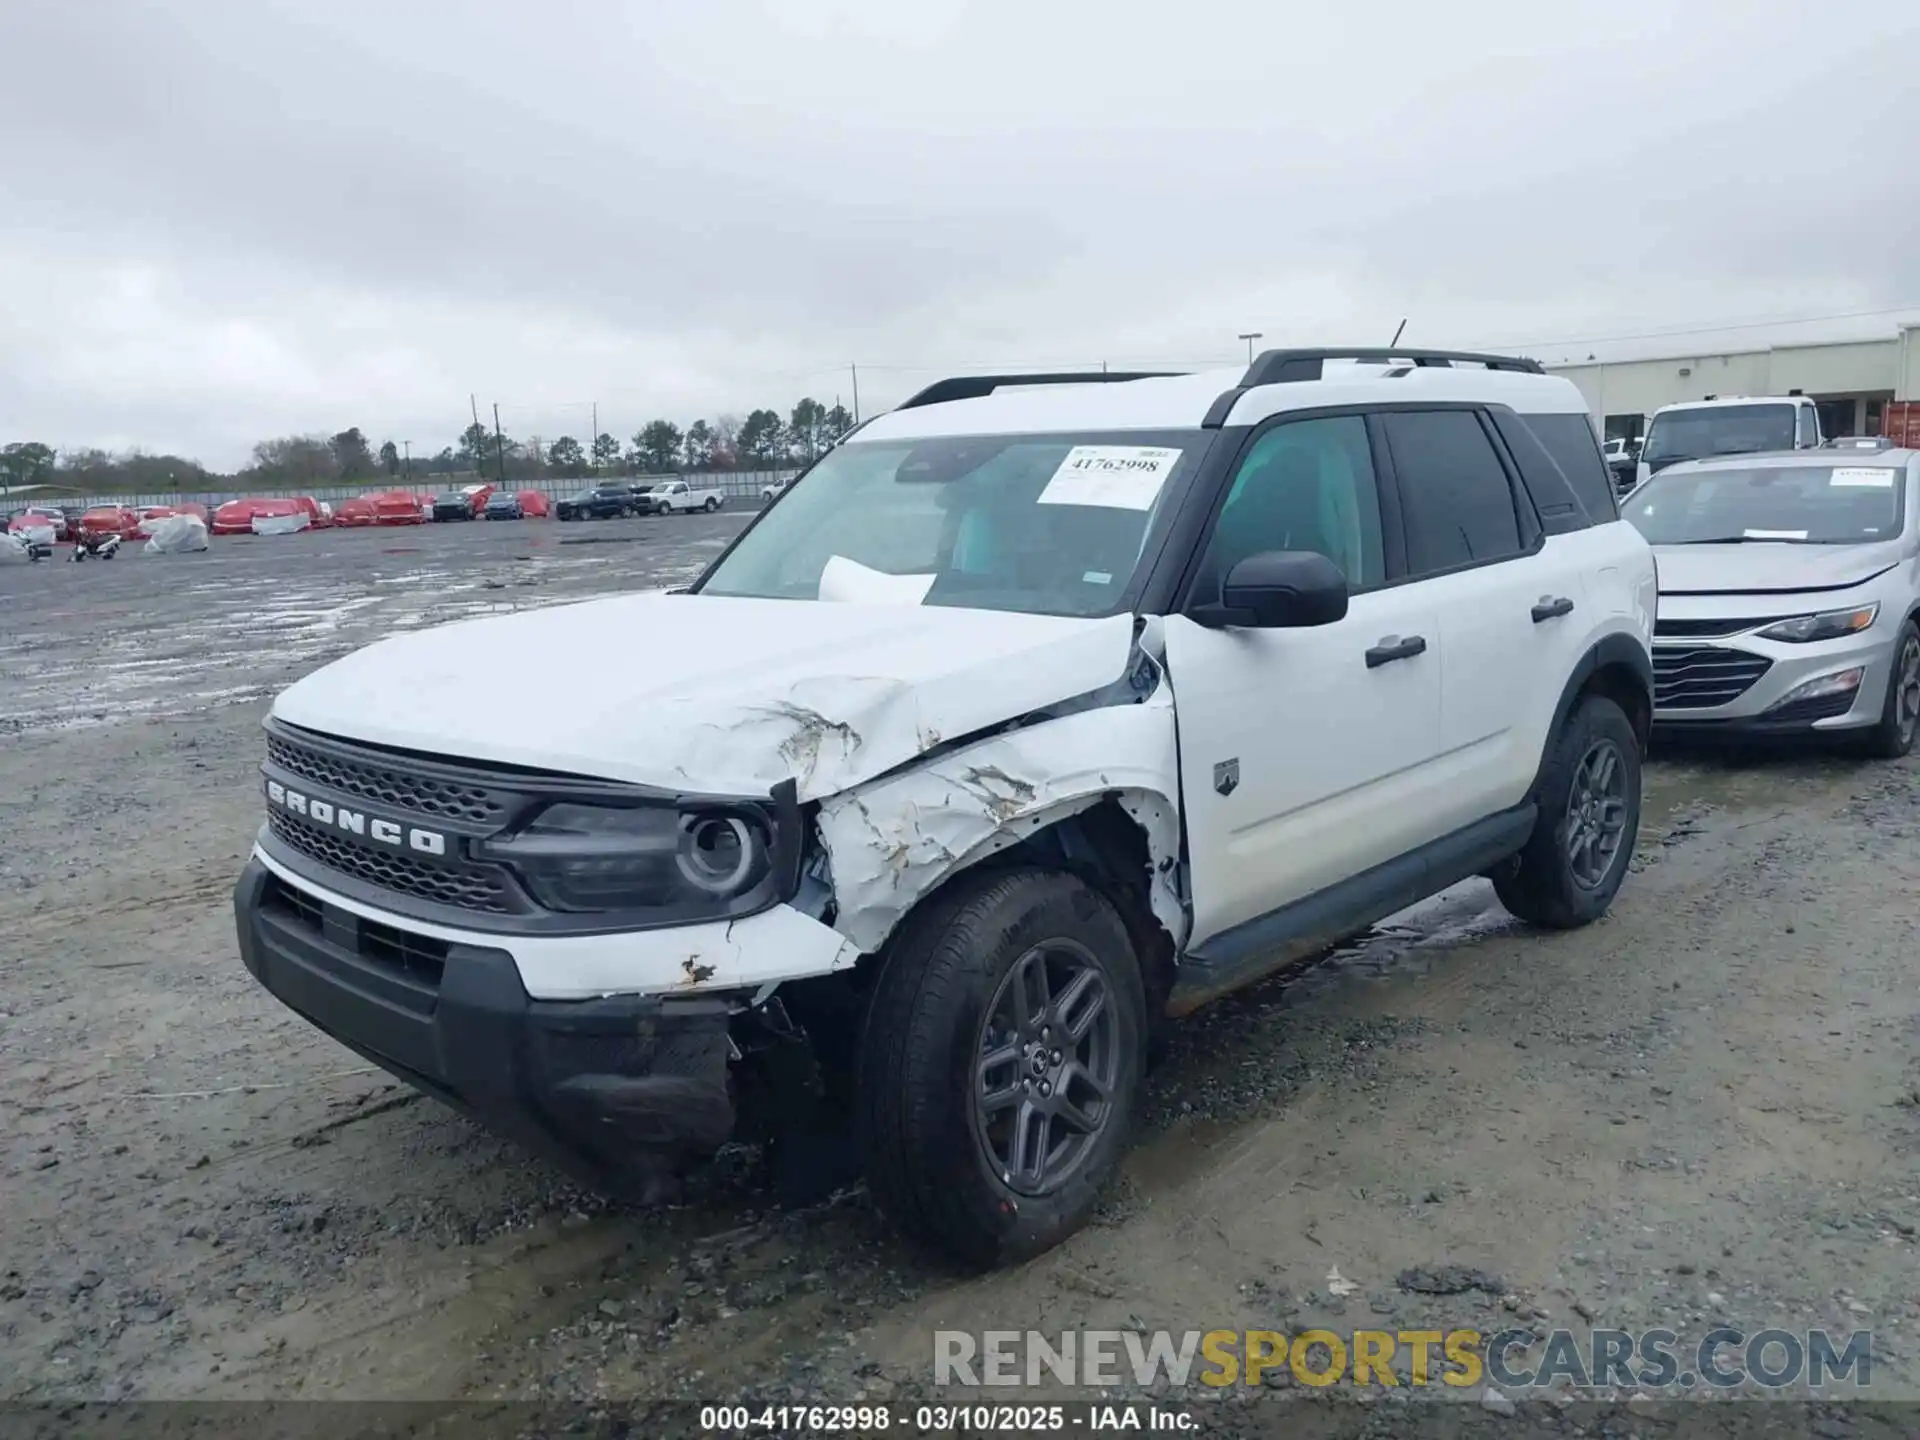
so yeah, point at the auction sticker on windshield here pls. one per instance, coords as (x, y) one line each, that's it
(1113, 477)
(1847, 475)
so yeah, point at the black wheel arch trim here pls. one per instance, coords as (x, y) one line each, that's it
(1609, 650)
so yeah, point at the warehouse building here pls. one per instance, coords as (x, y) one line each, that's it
(1860, 386)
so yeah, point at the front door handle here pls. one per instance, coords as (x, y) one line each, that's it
(1552, 608)
(1393, 648)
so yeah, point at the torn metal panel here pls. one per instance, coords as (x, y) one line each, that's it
(894, 840)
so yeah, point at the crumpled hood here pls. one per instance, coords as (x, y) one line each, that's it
(1759, 568)
(708, 694)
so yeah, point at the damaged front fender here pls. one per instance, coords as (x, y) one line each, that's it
(895, 840)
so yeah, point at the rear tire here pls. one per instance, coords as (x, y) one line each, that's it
(1589, 797)
(713, 504)
(1892, 738)
(943, 1126)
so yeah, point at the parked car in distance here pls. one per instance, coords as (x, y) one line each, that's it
(1726, 425)
(503, 505)
(353, 513)
(399, 507)
(1622, 456)
(110, 520)
(534, 504)
(1789, 596)
(775, 490)
(39, 517)
(469, 502)
(234, 517)
(680, 496)
(151, 515)
(607, 501)
(237, 517)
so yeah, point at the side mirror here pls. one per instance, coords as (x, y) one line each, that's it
(1279, 590)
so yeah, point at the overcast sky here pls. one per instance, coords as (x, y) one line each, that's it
(224, 221)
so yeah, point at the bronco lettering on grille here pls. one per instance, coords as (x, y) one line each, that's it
(356, 822)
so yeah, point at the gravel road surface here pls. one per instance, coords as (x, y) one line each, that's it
(1704, 1109)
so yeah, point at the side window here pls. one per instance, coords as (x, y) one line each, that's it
(1305, 485)
(1454, 495)
(1804, 432)
(1569, 440)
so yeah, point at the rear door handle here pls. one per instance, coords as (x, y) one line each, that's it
(1552, 608)
(1392, 648)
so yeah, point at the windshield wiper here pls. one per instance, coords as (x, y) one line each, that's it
(1741, 540)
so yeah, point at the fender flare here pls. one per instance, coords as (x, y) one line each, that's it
(1617, 649)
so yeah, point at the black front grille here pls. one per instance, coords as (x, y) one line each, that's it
(1707, 629)
(1699, 677)
(1818, 707)
(456, 882)
(381, 785)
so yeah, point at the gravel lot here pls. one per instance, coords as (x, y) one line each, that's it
(1704, 1108)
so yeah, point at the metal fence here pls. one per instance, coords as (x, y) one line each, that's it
(735, 484)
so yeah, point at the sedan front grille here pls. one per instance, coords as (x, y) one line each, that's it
(458, 883)
(1700, 677)
(1707, 629)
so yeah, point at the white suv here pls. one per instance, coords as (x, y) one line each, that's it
(1031, 716)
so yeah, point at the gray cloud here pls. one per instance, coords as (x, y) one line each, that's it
(230, 220)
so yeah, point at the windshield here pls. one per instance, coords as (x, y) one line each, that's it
(1808, 504)
(1719, 430)
(1046, 524)
(452, 497)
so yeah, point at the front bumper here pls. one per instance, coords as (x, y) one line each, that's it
(619, 1089)
(1768, 704)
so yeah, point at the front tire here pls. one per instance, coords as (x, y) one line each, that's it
(1892, 738)
(1001, 1065)
(1589, 798)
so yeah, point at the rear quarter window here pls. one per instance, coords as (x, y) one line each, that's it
(1570, 440)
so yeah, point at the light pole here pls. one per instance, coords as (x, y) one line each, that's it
(1250, 337)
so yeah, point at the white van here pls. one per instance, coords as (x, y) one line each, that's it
(1727, 425)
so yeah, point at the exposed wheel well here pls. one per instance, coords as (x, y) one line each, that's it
(1104, 847)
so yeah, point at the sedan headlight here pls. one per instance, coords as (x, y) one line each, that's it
(693, 863)
(1829, 625)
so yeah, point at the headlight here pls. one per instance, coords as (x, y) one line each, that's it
(1830, 625)
(696, 863)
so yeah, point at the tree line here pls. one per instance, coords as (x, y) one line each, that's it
(759, 440)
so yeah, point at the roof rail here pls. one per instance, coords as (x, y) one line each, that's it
(972, 387)
(1274, 367)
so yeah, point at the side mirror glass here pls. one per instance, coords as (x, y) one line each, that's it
(1279, 589)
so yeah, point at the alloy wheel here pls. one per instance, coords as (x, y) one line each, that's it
(1596, 814)
(1049, 1062)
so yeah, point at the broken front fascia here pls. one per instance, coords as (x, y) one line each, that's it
(895, 839)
